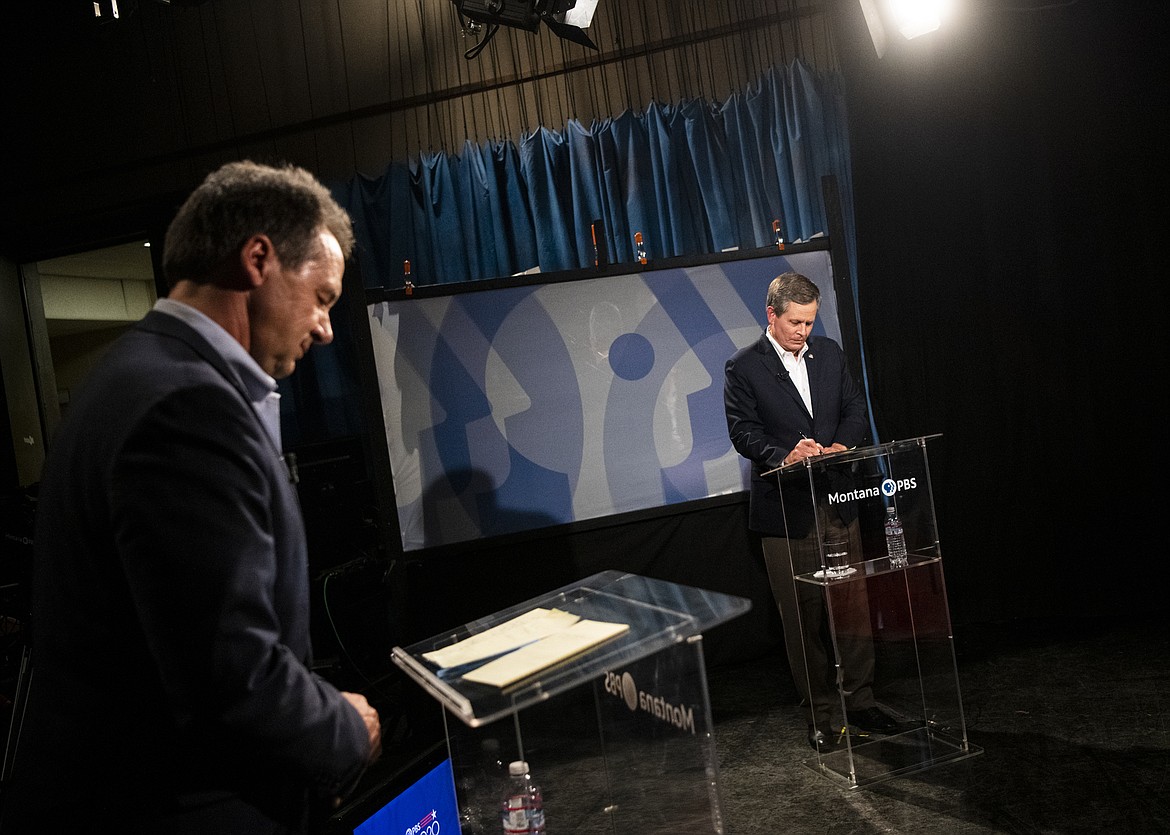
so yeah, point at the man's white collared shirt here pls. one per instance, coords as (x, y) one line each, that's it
(796, 368)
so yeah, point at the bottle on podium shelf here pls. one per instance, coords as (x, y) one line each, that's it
(895, 540)
(521, 810)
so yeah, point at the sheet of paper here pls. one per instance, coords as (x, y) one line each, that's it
(544, 653)
(524, 629)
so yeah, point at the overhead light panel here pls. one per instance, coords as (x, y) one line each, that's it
(910, 18)
(581, 14)
(917, 17)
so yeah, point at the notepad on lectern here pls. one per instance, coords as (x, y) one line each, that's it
(505, 637)
(545, 652)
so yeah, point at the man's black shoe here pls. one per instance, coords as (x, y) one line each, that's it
(873, 720)
(823, 739)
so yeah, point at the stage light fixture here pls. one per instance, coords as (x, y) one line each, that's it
(917, 17)
(561, 16)
(581, 13)
(911, 18)
(518, 14)
(570, 18)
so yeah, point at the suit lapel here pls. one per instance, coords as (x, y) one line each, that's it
(814, 367)
(177, 328)
(776, 368)
(167, 325)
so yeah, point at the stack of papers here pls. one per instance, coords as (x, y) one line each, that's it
(524, 645)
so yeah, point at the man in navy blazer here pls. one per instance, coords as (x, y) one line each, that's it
(790, 396)
(171, 688)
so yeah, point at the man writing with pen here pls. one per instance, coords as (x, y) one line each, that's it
(790, 396)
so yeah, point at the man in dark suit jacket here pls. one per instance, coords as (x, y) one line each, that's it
(171, 689)
(789, 396)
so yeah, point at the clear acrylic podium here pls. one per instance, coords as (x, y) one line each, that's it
(619, 738)
(875, 611)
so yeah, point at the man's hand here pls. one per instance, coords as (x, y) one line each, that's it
(373, 723)
(805, 449)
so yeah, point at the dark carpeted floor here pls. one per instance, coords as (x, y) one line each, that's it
(1073, 719)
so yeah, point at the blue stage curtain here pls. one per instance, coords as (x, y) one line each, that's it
(692, 177)
(511, 211)
(435, 190)
(625, 155)
(750, 117)
(675, 184)
(384, 227)
(544, 169)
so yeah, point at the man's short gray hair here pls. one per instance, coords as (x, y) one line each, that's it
(242, 199)
(791, 287)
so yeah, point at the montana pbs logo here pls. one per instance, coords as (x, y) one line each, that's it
(890, 487)
(887, 488)
(623, 686)
(629, 690)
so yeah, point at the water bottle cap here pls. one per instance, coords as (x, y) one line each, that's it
(518, 768)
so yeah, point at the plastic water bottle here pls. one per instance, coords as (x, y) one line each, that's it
(521, 810)
(895, 540)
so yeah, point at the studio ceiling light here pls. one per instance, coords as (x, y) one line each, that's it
(916, 17)
(910, 18)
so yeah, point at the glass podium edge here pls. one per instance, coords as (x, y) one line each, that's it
(716, 608)
(849, 455)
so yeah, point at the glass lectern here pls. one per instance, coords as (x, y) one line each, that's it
(618, 736)
(874, 595)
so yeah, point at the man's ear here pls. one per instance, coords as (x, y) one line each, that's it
(256, 257)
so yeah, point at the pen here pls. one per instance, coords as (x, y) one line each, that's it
(807, 438)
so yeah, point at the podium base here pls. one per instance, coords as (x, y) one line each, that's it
(863, 760)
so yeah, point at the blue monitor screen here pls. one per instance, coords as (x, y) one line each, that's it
(426, 808)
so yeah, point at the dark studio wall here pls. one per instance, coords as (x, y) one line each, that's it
(1010, 208)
